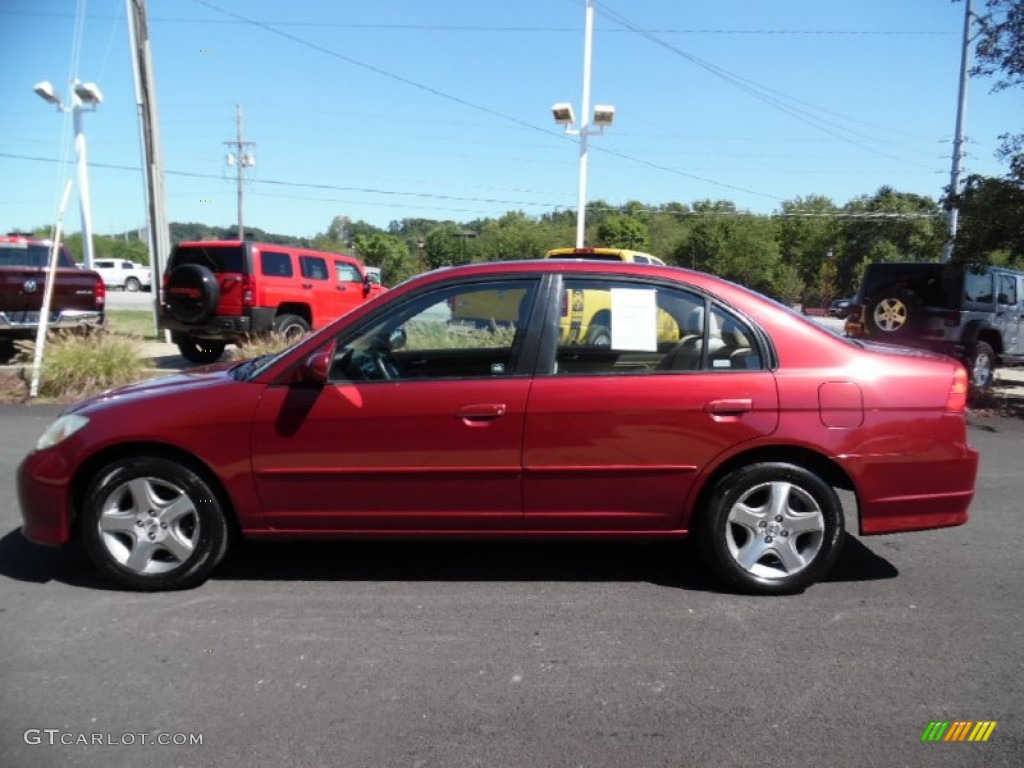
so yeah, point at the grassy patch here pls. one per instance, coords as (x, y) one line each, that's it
(78, 366)
(137, 323)
(263, 344)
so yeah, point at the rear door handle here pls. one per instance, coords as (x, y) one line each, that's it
(481, 413)
(729, 407)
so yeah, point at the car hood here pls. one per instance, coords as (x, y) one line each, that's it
(186, 381)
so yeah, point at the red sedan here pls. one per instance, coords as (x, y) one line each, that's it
(526, 399)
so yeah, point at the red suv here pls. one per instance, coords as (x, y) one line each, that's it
(219, 292)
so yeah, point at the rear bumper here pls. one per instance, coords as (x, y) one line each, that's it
(227, 327)
(899, 494)
(25, 324)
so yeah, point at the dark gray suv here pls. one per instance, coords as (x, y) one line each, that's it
(973, 313)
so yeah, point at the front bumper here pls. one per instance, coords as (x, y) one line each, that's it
(44, 481)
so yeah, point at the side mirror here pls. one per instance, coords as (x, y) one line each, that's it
(397, 339)
(315, 369)
(367, 285)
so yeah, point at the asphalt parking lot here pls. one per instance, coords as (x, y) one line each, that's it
(471, 654)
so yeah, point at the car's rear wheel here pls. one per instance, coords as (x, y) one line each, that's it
(202, 351)
(292, 327)
(771, 528)
(981, 366)
(151, 524)
(132, 284)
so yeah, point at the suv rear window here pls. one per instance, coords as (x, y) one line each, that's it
(217, 258)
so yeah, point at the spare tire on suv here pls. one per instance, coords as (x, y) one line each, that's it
(192, 294)
(894, 312)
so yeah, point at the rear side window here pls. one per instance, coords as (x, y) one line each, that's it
(21, 254)
(217, 258)
(978, 287)
(276, 264)
(313, 267)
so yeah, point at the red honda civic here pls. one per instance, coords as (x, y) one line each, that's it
(523, 399)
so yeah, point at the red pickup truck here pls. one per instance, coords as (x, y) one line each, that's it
(78, 294)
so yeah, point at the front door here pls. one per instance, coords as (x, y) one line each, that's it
(419, 429)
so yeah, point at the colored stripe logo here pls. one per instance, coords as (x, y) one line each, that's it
(959, 730)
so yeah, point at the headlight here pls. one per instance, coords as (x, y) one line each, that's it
(63, 428)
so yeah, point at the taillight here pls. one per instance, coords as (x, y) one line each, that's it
(565, 303)
(951, 319)
(101, 294)
(957, 400)
(247, 298)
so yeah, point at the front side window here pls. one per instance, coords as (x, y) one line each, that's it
(472, 331)
(611, 327)
(346, 273)
(1007, 290)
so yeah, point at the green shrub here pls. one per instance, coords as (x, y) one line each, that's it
(76, 366)
(263, 344)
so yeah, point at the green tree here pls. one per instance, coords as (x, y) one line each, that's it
(623, 231)
(388, 252)
(1000, 53)
(513, 236)
(991, 227)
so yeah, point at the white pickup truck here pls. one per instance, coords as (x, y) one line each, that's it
(124, 274)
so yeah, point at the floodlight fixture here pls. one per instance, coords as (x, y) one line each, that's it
(89, 93)
(563, 114)
(46, 92)
(604, 115)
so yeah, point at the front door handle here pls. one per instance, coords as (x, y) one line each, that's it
(481, 413)
(729, 407)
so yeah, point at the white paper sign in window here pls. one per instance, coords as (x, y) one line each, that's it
(634, 319)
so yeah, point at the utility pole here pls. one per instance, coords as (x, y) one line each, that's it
(241, 160)
(959, 138)
(152, 149)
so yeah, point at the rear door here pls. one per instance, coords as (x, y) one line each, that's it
(616, 433)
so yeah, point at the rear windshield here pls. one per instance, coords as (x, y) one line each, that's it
(32, 255)
(216, 258)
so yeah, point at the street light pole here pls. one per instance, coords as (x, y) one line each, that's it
(588, 42)
(84, 198)
(602, 117)
(82, 94)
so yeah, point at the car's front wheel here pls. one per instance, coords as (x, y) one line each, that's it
(771, 528)
(152, 524)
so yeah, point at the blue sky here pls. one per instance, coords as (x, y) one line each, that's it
(385, 109)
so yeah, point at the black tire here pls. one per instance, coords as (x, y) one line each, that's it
(292, 327)
(132, 285)
(599, 336)
(153, 524)
(897, 312)
(981, 366)
(192, 294)
(201, 351)
(755, 551)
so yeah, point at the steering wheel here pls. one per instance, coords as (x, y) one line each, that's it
(375, 363)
